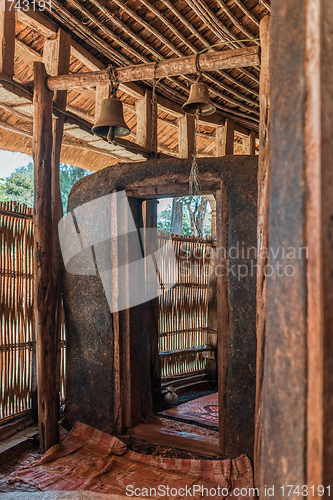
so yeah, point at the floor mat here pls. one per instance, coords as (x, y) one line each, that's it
(88, 459)
(203, 411)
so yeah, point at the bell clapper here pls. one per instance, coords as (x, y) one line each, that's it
(110, 136)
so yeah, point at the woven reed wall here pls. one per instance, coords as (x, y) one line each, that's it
(17, 344)
(183, 311)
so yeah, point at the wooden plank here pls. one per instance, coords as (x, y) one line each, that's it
(224, 141)
(262, 232)
(15, 446)
(189, 440)
(186, 133)
(118, 346)
(225, 59)
(44, 300)
(222, 308)
(7, 37)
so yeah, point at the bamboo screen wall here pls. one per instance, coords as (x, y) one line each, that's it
(17, 344)
(183, 311)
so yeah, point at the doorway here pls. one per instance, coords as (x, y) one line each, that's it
(187, 331)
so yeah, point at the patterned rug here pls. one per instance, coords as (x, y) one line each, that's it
(204, 411)
(88, 459)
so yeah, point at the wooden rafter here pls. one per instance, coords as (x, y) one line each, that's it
(170, 67)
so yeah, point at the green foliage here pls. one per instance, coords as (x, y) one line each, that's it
(19, 186)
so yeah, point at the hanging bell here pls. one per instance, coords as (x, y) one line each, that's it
(199, 101)
(111, 123)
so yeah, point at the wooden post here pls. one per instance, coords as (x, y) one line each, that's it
(297, 430)
(146, 128)
(249, 142)
(56, 58)
(222, 306)
(319, 209)
(7, 37)
(262, 231)
(44, 298)
(151, 307)
(224, 141)
(186, 133)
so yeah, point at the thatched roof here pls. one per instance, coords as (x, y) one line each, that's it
(127, 32)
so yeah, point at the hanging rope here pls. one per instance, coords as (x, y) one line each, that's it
(153, 113)
(194, 184)
(113, 77)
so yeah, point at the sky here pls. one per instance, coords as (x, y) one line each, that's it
(10, 161)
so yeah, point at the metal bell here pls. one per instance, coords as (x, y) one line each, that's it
(111, 121)
(199, 101)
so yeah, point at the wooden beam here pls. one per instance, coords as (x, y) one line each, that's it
(224, 142)
(249, 144)
(44, 300)
(226, 59)
(186, 133)
(262, 231)
(7, 37)
(26, 53)
(37, 22)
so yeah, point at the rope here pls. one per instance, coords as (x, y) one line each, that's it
(197, 64)
(194, 185)
(113, 77)
(153, 114)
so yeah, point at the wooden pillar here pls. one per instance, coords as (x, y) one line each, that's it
(297, 433)
(224, 141)
(319, 209)
(262, 228)
(151, 307)
(222, 307)
(56, 56)
(186, 132)
(249, 142)
(146, 129)
(7, 37)
(44, 298)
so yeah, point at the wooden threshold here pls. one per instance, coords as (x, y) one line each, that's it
(16, 445)
(190, 438)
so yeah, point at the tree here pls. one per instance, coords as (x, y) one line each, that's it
(196, 218)
(19, 186)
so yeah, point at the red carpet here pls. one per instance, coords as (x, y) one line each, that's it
(88, 459)
(203, 410)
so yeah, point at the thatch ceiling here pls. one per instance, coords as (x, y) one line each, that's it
(126, 32)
